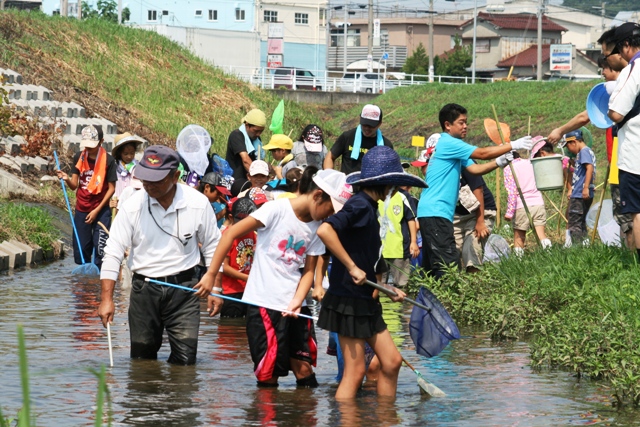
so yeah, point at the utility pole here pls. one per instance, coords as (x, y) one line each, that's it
(539, 62)
(344, 48)
(1, 4)
(64, 8)
(431, 50)
(370, 39)
(119, 11)
(79, 10)
(473, 49)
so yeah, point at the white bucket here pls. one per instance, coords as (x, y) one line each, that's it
(548, 172)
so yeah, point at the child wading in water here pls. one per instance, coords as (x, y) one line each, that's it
(348, 308)
(279, 340)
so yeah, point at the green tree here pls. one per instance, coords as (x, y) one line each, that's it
(418, 62)
(106, 9)
(456, 61)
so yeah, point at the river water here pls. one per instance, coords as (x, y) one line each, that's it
(487, 383)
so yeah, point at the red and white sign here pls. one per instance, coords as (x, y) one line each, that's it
(274, 61)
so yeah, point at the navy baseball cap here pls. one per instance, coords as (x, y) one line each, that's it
(157, 161)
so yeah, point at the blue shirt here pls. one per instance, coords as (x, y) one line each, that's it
(358, 229)
(443, 177)
(584, 157)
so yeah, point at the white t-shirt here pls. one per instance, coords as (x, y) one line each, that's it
(126, 193)
(621, 101)
(280, 249)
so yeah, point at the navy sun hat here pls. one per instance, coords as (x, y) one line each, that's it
(381, 166)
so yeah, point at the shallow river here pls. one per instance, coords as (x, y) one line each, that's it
(487, 383)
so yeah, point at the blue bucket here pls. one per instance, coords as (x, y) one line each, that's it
(598, 107)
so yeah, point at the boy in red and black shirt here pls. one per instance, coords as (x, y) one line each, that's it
(94, 176)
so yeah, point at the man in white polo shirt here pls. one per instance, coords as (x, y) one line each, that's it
(624, 109)
(164, 226)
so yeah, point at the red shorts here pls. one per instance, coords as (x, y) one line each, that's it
(274, 339)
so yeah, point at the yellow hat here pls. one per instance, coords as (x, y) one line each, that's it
(255, 117)
(279, 141)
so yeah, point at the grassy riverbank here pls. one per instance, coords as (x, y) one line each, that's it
(28, 224)
(579, 306)
(138, 79)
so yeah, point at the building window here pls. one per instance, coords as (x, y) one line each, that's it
(270, 16)
(302, 18)
(239, 14)
(213, 15)
(152, 15)
(199, 13)
(337, 38)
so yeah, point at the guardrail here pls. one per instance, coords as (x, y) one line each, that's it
(266, 79)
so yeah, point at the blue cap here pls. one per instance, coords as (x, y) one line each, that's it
(598, 107)
(572, 136)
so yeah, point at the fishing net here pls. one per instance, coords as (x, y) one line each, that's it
(193, 144)
(494, 134)
(432, 329)
(496, 249)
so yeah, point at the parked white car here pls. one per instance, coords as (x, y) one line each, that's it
(364, 82)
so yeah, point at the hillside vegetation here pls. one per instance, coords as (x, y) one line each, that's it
(141, 81)
(149, 85)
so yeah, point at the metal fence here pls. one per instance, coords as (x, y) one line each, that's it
(352, 81)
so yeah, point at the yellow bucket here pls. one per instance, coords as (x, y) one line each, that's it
(548, 172)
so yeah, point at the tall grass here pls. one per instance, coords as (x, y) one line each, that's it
(580, 307)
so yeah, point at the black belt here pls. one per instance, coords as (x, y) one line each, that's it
(183, 276)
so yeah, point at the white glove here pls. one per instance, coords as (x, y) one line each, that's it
(524, 143)
(505, 159)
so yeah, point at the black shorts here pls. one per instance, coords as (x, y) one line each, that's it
(438, 244)
(274, 339)
(629, 192)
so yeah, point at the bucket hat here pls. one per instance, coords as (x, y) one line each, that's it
(123, 139)
(381, 166)
(279, 141)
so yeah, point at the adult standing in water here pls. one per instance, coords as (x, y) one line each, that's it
(353, 144)
(243, 146)
(163, 225)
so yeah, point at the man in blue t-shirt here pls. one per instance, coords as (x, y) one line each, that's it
(438, 201)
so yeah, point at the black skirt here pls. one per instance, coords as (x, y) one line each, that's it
(351, 317)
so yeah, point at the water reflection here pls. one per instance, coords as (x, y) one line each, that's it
(487, 383)
(161, 392)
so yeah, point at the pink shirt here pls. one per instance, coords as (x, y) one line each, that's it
(524, 171)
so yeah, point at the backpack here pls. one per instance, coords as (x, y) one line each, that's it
(220, 166)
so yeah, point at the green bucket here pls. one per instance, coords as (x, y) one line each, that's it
(548, 172)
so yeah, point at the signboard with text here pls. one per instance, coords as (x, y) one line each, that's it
(274, 61)
(560, 57)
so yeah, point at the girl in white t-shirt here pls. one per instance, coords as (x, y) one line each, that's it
(279, 340)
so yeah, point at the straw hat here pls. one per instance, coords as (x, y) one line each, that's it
(122, 139)
(381, 166)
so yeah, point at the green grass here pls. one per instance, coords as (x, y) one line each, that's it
(139, 79)
(28, 224)
(580, 308)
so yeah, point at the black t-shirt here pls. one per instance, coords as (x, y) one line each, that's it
(344, 145)
(358, 229)
(475, 182)
(235, 146)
